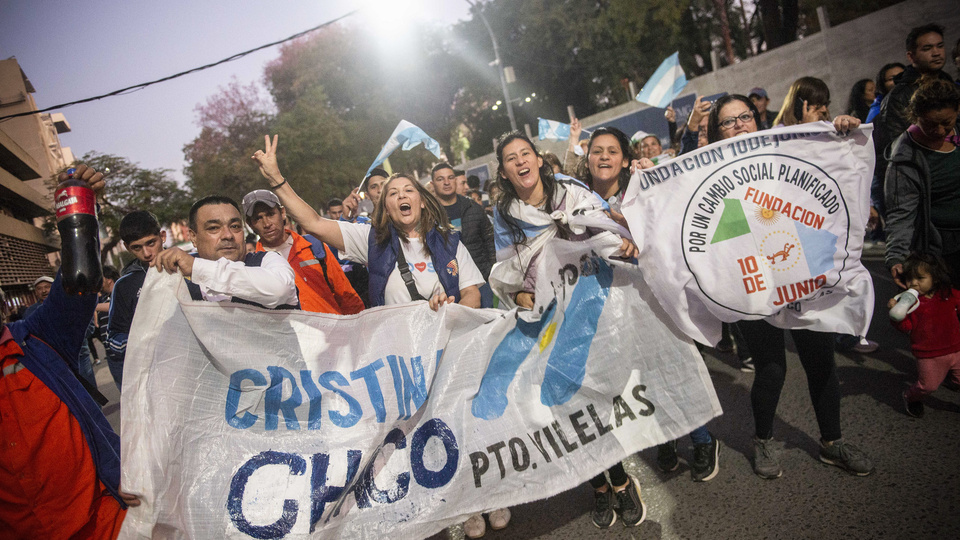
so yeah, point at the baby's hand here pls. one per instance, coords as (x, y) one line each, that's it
(891, 303)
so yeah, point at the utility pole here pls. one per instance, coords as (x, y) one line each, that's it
(498, 63)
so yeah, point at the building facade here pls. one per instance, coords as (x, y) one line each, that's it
(30, 155)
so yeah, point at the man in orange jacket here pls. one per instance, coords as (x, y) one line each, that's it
(322, 285)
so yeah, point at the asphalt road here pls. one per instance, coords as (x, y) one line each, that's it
(914, 493)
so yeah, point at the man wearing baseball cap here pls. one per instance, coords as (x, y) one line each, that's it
(759, 98)
(41, 288)
(322, 285)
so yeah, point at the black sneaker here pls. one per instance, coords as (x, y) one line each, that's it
(604, 513)
(706, 460)
(630, 505)
(667, 460)
(913, 408)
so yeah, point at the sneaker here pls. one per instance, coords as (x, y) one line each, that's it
(846, 456)
(630, 505)
(913, 408)
(667, 460)
(604, 513)
(866, 346)
(766, 463)
(706, 460)
(746, 365)
(475, 527)
(499, 519)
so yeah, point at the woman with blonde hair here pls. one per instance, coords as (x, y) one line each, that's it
(808, 100)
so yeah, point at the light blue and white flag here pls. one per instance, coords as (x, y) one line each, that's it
(551, 129)
(408, 136)
(665, 84)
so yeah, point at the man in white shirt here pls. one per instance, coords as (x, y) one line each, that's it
(222, 269)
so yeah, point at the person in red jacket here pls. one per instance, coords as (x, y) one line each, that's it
(59, 457)
(322, 285)
(933, 327)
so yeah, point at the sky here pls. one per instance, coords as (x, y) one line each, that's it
(76, 49)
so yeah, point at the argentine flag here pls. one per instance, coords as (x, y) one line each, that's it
(665, 84)
(408, 136)
(551, 129)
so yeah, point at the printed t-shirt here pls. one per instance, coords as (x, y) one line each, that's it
(356, 248)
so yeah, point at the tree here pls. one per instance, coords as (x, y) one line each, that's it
(780, 19)
(233, 123)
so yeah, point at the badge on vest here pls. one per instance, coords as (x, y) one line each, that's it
(452, 268)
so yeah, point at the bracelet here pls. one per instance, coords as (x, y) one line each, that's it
(278, 186)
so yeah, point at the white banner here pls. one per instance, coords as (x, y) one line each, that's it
(239, 422)
(766, 226)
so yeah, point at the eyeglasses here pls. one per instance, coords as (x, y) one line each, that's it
(728, 123)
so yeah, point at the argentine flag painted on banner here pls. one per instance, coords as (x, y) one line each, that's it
(551, 129)
(408, 136)
(665, 84)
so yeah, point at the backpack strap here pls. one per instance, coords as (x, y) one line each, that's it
(407, 276)
(320, 257)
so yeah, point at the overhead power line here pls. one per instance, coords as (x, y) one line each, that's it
(141, 86)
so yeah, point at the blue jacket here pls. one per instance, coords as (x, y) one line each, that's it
(48, 337)
(382, 259)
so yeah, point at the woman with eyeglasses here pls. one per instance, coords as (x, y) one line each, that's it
(733, 116)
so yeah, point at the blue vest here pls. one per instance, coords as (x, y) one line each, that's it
(251, 259)
(382, 259)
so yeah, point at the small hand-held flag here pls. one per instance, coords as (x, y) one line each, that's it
(408, 136)
(665, 84)
(553, 130)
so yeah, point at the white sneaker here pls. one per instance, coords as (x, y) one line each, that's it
(499, 519)
(475, 527)
(866, 346)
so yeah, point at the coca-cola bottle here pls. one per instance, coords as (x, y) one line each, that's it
(76, 208)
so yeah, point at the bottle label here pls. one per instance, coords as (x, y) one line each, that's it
(72, 200)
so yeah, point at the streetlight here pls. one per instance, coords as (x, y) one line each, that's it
(499, 64)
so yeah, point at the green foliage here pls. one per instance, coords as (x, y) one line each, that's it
(337, 94)
(233, 124)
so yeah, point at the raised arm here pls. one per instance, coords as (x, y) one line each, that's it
(326, 230)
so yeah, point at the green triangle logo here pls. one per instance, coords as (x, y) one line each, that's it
(733, 222)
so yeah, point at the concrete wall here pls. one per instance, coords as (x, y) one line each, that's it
(840, 56)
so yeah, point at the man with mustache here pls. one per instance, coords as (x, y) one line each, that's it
(222, 269)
